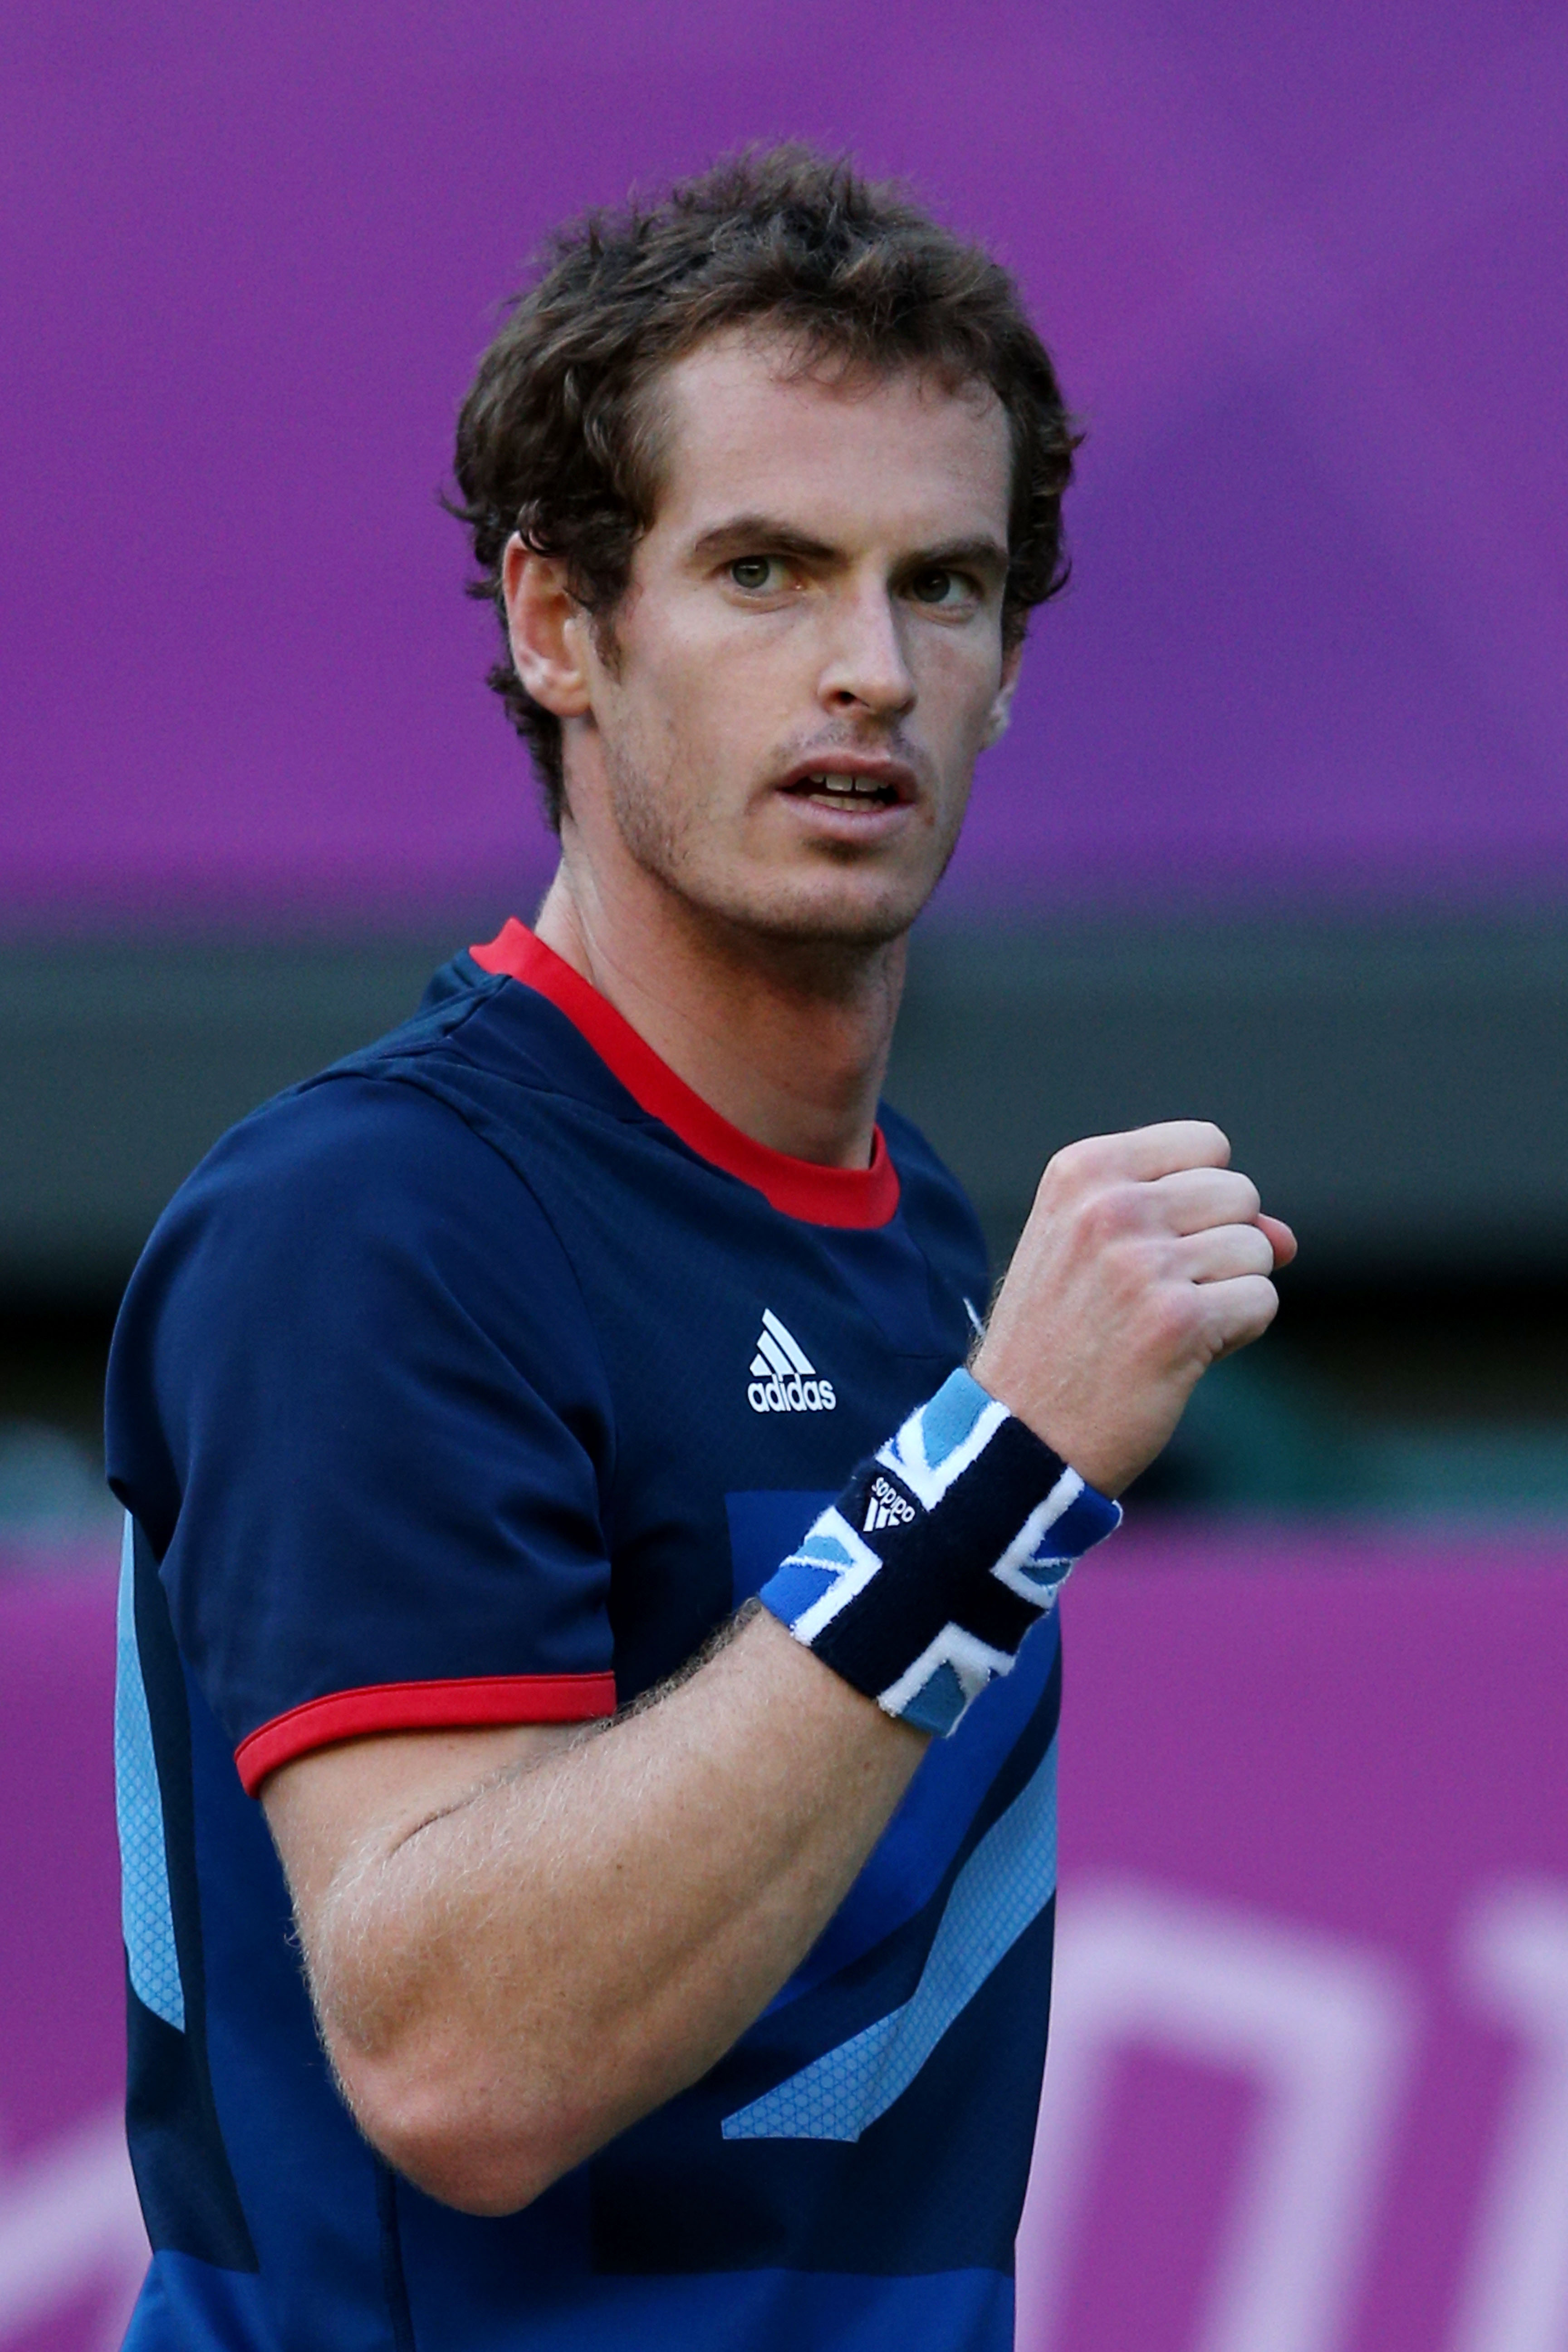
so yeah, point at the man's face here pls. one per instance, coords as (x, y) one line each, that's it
(809, 654)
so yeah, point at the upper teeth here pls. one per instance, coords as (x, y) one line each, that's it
(827, 782)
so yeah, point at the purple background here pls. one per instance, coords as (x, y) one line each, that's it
(1351, 1748)
(1356, 1748)
(1303, 271)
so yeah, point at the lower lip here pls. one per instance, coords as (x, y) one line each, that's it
(854, 821)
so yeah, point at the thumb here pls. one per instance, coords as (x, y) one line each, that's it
(1280, 1239)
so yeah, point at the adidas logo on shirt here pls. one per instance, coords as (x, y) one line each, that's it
(886, 1507)
(784, 1377)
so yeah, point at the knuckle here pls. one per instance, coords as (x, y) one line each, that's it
(1233, 1197)
(1108, 1214)
(1240, 1251)
(1251, 1308)
(1174, 1314)
(1071, 1166)
(1055, 1182)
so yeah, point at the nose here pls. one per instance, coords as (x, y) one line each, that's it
(865, 669)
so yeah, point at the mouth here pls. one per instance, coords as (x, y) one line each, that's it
(861, 788)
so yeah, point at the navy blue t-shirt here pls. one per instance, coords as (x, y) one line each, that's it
(476, 1381)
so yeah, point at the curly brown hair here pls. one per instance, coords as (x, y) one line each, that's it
(556, 439)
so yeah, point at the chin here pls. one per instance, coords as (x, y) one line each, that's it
(828, 911)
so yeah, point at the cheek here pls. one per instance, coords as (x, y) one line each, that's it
(959, 686)
(693, 672)
(657, 706)
(736, 690)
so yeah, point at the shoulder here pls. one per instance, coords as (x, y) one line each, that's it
(935, 1205)
(913, 1156)
(396, 1130)
(349, 1154)
(358, 1213)
(347, 1263)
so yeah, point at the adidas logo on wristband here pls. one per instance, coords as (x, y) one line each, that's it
(885, 1507)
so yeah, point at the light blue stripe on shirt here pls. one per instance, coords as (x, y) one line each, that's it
(1001, 1890)
(145, 1911)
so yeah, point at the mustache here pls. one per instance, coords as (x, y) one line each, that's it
(880, 741)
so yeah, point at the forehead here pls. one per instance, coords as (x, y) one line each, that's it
(746, 429)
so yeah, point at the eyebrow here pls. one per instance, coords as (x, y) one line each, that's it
(751, 530)
(745, 534)
(974, 554)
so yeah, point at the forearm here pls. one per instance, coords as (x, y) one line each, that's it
(507, 1985)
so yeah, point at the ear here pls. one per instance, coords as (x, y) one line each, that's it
(547, 628)
(1001, 711)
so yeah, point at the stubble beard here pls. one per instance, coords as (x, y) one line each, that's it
(779, 908)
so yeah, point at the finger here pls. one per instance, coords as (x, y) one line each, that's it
(1194, 1198)
(1240, 1311)
(1281, 1239)
(1146, 1153)
(1220, 1253)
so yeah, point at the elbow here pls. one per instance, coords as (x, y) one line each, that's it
(459, 2141)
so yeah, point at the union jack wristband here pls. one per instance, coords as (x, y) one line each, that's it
(945, 1547)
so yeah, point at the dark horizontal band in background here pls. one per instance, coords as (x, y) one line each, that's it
(1397, 1085)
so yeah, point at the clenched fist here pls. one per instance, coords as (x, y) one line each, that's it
(1146, 1257)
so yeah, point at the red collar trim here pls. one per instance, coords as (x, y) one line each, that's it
(797, 1188)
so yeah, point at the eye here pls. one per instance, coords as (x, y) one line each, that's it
(755, 573)
(940, 586)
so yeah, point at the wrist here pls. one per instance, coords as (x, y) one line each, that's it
(946, 1548)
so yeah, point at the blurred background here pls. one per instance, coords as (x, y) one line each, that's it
(1279, 837)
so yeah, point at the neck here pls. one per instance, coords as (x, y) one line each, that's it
(787, 1039)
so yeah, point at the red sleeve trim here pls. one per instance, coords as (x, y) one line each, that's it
(797, 1188)
(420, 1706)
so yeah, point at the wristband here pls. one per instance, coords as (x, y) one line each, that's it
(920, 1583)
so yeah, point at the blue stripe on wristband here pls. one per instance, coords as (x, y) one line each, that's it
(921, 1582)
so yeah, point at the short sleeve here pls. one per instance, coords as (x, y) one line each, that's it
(357, 1407)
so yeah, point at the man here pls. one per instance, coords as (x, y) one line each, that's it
(681, 1964)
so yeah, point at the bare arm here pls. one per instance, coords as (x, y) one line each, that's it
(521, 1941)
(511, 1969)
